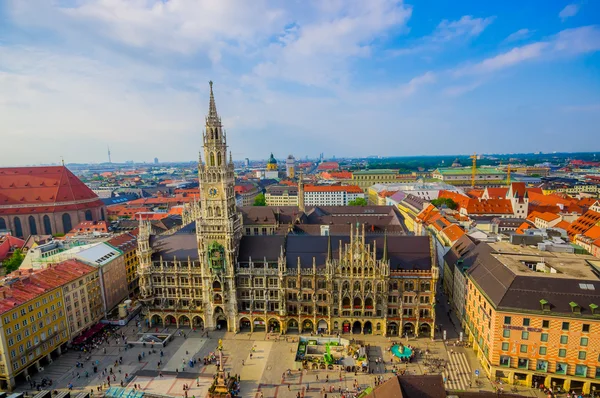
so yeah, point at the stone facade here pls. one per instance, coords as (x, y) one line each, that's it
(209, 275)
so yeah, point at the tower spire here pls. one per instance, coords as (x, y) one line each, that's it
(212, 107)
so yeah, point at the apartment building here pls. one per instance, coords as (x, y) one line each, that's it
(127, 243)
(34, 325)
(331, 195)
(532, 315)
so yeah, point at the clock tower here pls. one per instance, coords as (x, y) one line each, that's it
(219, 228)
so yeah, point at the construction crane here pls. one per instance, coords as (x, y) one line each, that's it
(473, 169)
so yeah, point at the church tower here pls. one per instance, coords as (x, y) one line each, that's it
(219, 229)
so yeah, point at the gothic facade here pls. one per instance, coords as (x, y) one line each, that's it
(209, 274)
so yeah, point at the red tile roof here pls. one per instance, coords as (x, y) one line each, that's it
(563, 224)
(328, 166)
(589, 219)
(7, 245)
(43, 190)
(30, 283)
(89, 227)
(497, 193)
(126, 241)
(489, 206)
(524, 227)
(336, 175)
(453, 232)
(461, 200)
(593, 233)
(548, 217)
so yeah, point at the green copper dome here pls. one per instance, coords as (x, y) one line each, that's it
(272, 160)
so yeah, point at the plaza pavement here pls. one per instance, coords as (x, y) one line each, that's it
(264, 373)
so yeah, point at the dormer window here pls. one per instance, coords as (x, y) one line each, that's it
(575, 308)
(545, 305)
(593, 307)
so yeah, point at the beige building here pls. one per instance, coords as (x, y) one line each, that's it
(365, 178)
(82, 295)
(281, 195)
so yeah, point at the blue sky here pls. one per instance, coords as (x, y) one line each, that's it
(347, 78)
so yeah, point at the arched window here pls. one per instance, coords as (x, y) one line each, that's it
(2, 223)
(368, 287)
(47, 225)
(210, 212)
(218, 211)
(212, 158)
(218, 158)
(102, 213)
(88, 215)
(216, 133)
(356, 285)
(66, 220)
(18, 227)
(32, 226)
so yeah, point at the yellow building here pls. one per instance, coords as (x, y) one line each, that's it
(366, 178)
(281, 195)
(34, 324)
(127, 243)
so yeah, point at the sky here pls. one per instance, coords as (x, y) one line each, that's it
(301, 77)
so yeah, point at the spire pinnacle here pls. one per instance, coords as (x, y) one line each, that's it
(329, 251)
(212, 108)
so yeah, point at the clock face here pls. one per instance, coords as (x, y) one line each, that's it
(212, 192)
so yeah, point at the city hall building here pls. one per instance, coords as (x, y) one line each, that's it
(336, 269)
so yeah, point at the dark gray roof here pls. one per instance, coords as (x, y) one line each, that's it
(490, 274)
(182, 244)
(279, 190)
(460, 250)
(404, 252)
(509, 290)
(260, 247)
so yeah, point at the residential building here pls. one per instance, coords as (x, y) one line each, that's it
(365, 178)
(281, 195)
(329, 269)
(113, 272)
(82, 294)
(410, 206)
(328, 166)
(45, 200)
(89, 228)
(248, 192)
(127, 243)
(532, 315)
(331, 195)
(34, 326)
(464, 176)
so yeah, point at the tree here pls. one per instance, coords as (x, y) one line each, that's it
(14, 262)
(358, 202)
(449, 203)
(259, 200)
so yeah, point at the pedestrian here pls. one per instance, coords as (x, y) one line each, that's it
(289, 388)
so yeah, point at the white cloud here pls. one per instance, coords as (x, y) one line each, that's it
(447, 31)
(520, 34)
(316, 53)
(575, 41)
(467, 26)
(569, 11)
